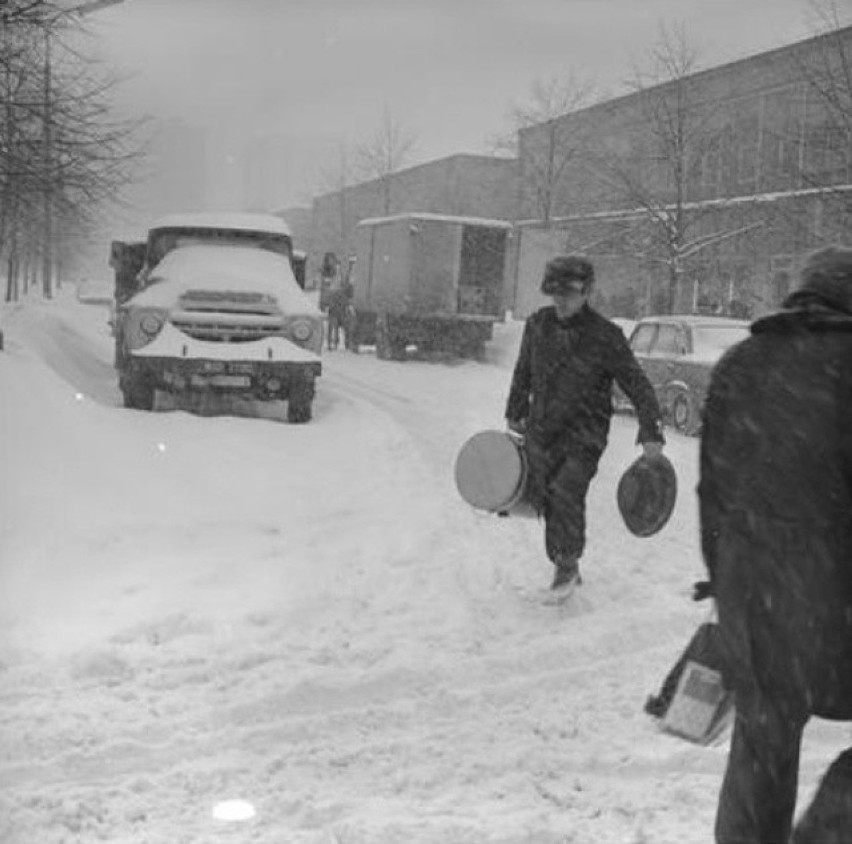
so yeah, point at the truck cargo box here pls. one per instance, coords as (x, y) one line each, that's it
(430, 280)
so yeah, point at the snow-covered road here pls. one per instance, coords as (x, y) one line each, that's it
(196, 608)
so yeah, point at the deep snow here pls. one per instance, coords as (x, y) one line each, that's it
(202, 608)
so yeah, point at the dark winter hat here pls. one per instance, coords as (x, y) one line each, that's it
(646, 494)
(563, 272)
(826, 279)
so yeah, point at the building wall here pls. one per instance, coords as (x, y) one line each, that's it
(752, 126)
(760, 146)
(460, 185)
(299, 221)
(754, 269)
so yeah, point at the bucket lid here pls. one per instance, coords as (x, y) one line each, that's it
(646, 494)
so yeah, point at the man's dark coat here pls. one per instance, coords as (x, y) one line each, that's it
(775, 498)
(776, 506)
(562, 389)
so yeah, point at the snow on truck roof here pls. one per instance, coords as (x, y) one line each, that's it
(216, 267)
(235, 221)
(445, 218)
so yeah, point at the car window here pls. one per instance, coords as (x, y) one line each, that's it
(642, 338)
(668, 342)
(711, 339)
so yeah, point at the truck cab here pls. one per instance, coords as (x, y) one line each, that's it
(212, 304)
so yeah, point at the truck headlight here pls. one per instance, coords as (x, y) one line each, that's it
(150, 324)
(301, 329)
(139, 326)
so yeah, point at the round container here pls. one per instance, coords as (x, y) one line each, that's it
(491, 474)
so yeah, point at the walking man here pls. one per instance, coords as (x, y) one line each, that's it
(775, 498)
(560, 401)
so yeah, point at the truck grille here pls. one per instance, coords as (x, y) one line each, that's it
(227, 327)
(230, 316)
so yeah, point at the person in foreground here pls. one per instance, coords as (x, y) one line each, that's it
(775, 502)
(560, 401)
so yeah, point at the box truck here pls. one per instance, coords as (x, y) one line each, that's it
(428, 280)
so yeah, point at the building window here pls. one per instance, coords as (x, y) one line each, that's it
(708, 173)
(826, 154)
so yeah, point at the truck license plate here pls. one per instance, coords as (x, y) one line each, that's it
(230, 381)
(220, 381)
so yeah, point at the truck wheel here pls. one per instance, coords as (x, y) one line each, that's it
(138, 392)
(389, 345)
(472, 347)
(300, 401)
(469, 342)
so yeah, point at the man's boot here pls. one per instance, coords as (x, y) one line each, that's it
(566, 578)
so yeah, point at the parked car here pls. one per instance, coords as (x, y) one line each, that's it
(678, 353)
(626, 325)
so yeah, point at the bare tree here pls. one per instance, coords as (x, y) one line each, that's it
(336, 178)
(673, 133)
(384, 154)
(63, 154)
(545, 156)
(825, 65)
(829, 74)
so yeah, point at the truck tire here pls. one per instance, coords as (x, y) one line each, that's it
(470, 342)
(138, 392)
(300, 400)
(389, 344)
(471, 347)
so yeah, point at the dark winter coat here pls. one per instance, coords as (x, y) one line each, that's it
(562, 388)
(775, 499)
(339, 302)
(562, 382)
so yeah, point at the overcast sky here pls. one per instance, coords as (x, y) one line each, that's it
(320, 71)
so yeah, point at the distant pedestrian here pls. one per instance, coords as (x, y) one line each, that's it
(775, 497)
(329, 275)
(339, 308)
(560, 400)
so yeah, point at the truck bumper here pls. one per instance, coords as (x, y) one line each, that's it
(255, 379)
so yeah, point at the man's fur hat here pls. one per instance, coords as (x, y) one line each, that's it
(826, 279)
(564, 271)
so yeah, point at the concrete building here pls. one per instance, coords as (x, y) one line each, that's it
(462, 185)
(700, 192)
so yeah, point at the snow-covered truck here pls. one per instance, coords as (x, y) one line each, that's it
(211, 304)
(429, 280)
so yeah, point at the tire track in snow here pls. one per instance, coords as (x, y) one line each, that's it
(71, 355)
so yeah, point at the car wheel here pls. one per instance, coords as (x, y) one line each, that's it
(684, 413)
(389, 345)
